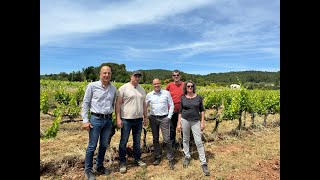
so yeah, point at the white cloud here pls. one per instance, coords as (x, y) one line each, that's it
(177, 32)
(62, 19)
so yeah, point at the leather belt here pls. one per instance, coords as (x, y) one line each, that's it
(159, 116)
(102, 115)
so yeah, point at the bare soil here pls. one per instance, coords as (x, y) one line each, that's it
(253, 153)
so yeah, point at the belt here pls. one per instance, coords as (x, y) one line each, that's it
(160, 116)
(102, 115)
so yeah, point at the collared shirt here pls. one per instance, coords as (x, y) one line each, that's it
(98, 99)
(160, 103)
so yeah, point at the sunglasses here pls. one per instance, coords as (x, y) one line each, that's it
(176, 75)
(190, 86)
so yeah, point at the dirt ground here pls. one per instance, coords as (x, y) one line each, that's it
(253, 153)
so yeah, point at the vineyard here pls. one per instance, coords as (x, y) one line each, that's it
(231, 115)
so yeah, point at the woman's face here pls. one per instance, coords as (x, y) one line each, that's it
(190, 87)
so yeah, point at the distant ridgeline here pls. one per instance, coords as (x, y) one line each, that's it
(249, 79)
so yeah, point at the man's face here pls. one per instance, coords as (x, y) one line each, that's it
(105, 74)
(176, 77)
(156, 85)
(135, 78)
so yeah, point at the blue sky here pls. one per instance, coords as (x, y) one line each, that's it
(194, 36)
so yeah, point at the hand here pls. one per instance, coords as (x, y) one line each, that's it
(202, 126)
(145, 122)
(87, 126)
(119, 123)
(179, 127)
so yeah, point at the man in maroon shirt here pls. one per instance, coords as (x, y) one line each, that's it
(176, 91)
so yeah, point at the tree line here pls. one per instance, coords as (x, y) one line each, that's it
(249, 79)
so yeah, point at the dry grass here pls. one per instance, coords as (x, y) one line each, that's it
(250, 154)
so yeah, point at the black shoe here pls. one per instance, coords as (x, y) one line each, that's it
(103, 170)
(89, 175)
(156, 161)
(171, 164)
(205, 169)
(186, 162)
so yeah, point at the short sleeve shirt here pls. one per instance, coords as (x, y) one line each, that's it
(133, 99)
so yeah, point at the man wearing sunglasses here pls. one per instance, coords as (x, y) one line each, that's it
(176, 91)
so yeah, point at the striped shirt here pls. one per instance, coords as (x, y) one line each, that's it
(98, 99)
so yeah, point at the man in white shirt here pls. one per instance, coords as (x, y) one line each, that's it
(161, 110)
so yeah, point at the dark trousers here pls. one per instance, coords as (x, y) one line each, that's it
(173, 127)
(164, 124)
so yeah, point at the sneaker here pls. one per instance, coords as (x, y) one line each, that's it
(141, 163)
(156, 161)
(186, 162)
(123, 168)
(171, 164)
(205, 169)
(89, 175)
(103, 170)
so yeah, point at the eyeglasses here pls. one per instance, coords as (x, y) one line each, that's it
(176, 75)
(137, 76)
(190, 86)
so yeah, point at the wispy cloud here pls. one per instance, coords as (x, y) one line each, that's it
(62, 19)
(245, 29)
(189, 34)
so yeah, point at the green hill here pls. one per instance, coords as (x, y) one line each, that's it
(249, 79)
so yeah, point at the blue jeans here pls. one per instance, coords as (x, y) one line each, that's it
(102, 128)
(136, 126)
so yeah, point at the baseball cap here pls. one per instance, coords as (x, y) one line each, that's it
(136, 73)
